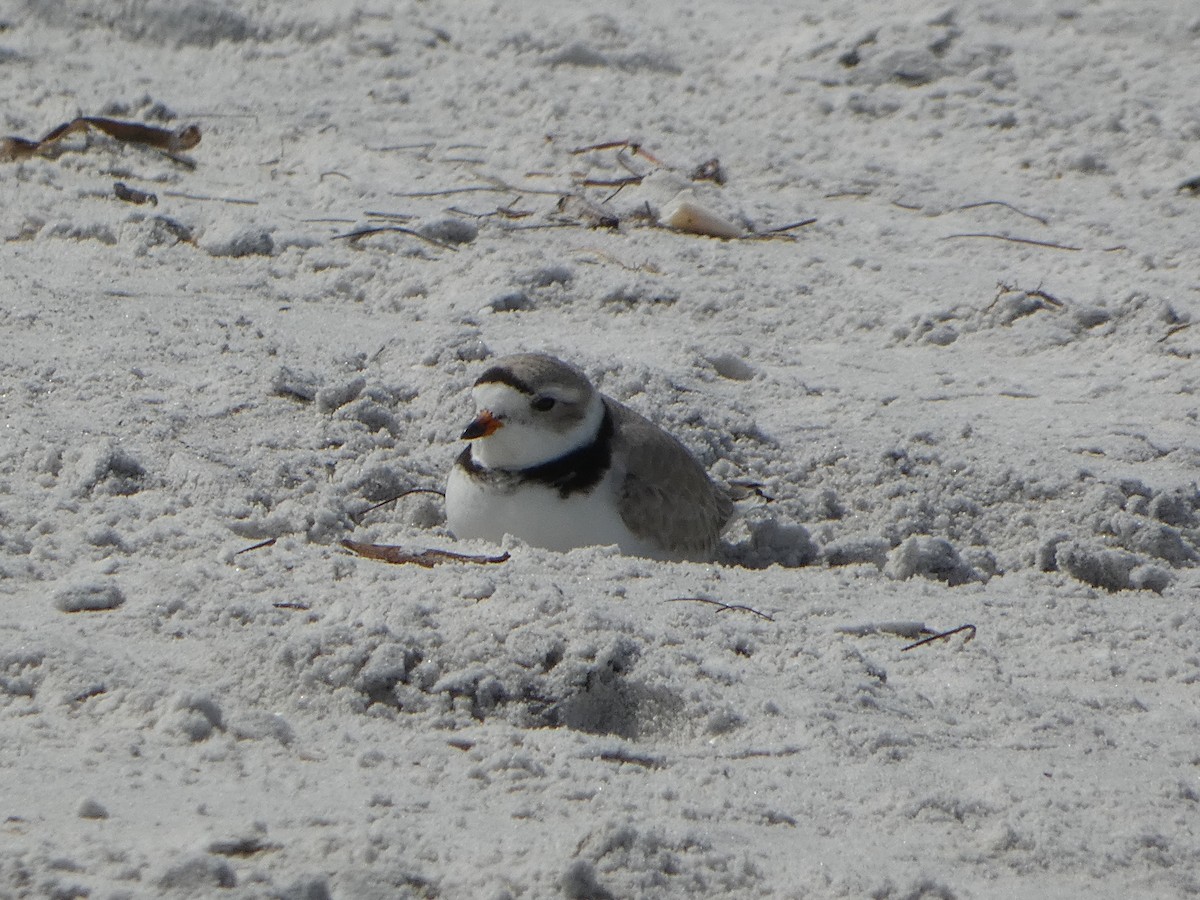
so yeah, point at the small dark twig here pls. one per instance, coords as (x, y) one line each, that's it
(1173, 330)
(606, 145)
(628, 165)
(621, 756)
(608, 257)
(578, 210)
(505, 212)
(613, 194)
(498, 187)
(367, 232)
(632, 146)
(613, 182)
(721, 607)
(1001, 290)
(511, 212)
(358, 517)
(97, 690)
(1014, 240)
(450, 192)
(1048, 299)
(942, 635)
(1019, 212)
(389, 216)
(780, 229)
(183, 195)
(1045, 297)
(541, 226)
(267, 543)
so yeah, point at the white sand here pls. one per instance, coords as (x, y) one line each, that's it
(179, 720)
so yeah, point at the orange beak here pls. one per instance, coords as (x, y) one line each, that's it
(485, 423)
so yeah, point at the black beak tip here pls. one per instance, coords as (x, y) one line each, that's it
(485, 423)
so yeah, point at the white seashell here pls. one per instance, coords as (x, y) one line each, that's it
(685, 214)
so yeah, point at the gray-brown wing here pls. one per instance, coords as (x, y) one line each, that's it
(666, 497)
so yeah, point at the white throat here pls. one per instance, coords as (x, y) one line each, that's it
(522, 441)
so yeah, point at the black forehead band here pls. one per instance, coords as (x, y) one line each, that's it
(501, 375)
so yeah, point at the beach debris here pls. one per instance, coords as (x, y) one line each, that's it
(576, 208)
(122, 191)
(622, 756)
(172, 142)
(355, 236)
(358, 517)
(942, 635)
(710, 170)
(634, 148)
(582, 205)
(982, 203)
(780, 231)
(425, 558)
(1192, 185)
(908, 630)
(684, 213)
(1173, 330)
(164, 227)
(1031, 301)
(1010, 238)
(721, 607)
(269, 542)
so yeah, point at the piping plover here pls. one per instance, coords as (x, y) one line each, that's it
(554, 462)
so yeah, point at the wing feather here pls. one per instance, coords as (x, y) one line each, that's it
(666, 497)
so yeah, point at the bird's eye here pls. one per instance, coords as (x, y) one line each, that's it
(543, 404)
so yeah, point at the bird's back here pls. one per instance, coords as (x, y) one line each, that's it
(664, 495)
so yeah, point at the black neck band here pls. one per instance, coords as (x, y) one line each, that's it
(579, 470)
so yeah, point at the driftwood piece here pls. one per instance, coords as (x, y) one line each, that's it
(425, 558)
(169, 141)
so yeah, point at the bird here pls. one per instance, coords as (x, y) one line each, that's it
(552, 461)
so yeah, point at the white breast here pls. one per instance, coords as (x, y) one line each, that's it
(539, 516)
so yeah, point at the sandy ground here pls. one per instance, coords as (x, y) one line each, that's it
(965, 393)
